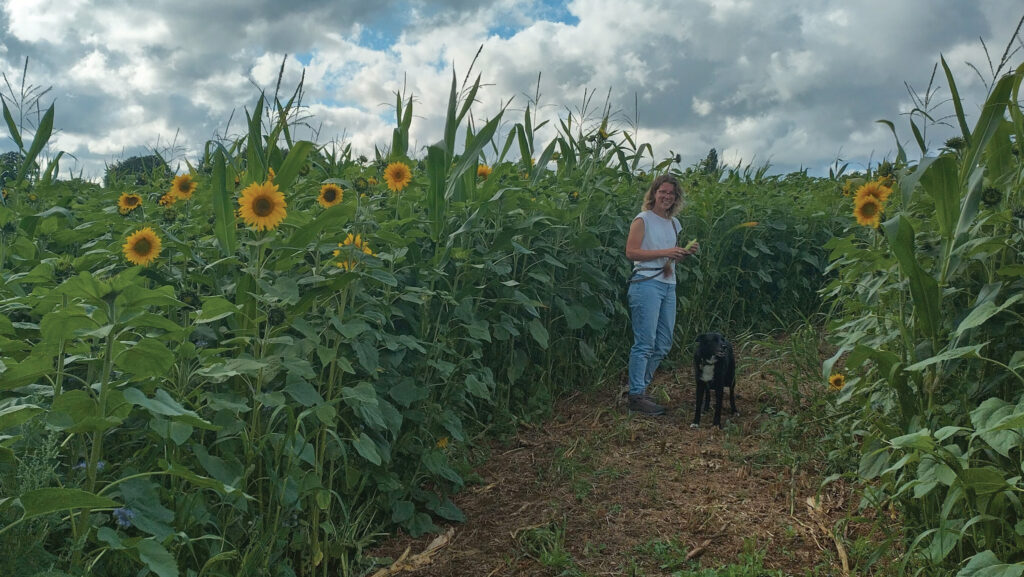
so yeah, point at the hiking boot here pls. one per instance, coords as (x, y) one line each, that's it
(644, 405)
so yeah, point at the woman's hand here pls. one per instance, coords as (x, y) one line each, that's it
(676, 253)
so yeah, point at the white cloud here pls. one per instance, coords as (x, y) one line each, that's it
(795, 84)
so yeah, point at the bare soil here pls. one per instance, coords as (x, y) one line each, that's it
(621, 494)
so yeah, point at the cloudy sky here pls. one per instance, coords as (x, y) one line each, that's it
(797, 83)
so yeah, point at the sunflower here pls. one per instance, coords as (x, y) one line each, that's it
(748, 224)
(352, 241)
(875, 189)
(142, 247)
(128, 202)
(868, 211)
(397, 175)
(836, 382)
(262, 206)
(271, 174)
(330, 195)
(183, 186)
(168, 199)
(483, 171)
(442, 443)
(372, 181)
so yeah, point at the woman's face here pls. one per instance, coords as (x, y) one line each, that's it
(665, 197)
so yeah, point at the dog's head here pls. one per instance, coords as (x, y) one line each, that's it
(711, 346)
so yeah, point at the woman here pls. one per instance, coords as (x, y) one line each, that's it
(652, 247)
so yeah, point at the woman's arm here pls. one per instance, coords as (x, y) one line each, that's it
(636, 239)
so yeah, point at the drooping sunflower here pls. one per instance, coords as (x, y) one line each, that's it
(262, 206)
(183, 186)
(142, 247)
(868, 211)
(483, 171)
(397, 175)
(330, 195)
(355, 241)
(836, 382)
(875, 189)
(128, 202)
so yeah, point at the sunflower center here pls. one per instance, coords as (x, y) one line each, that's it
(142, 247)
(330, 194)
(262, 206)
(131, 201)
(870, 209)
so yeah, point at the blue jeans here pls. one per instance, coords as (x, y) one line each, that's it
(652, 306)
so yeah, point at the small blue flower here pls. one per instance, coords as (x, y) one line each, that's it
(123, 517)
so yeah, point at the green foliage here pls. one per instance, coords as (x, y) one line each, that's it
(270, 402)
(930, 321)
(138, 171)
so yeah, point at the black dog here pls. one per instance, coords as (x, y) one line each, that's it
(714, 367)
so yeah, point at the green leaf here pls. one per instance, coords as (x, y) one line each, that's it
(408, 391)
(43, 131)
(52, 499)
(942, 182)
(333, 219)
(984, 480)
(986, 564)
(923, 288)
(147, 358)
(17, 374)
(163, 404)
(984, 311)
(477, 387)
(991, 419)
(223, 205)
(947, 355)
(12, 128)
(920, 440)
(157, 558)
(215, 308)
(539, 333)
(367, 448)
(16, 415)
(402, 511)
(292, 164)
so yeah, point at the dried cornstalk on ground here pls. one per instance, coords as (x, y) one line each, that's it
(814, 510)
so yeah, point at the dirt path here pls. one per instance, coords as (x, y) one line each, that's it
(596, 491)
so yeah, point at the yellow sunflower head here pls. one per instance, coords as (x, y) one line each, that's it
(868, 211)
(168, 199)
(354, 241)
(876, 189)
(371, 181)
(836, 382)
(142, 247)
(128, 202)
(262, 206)
(183, 186)
(397, 175)
(330, 195)
(483, 171)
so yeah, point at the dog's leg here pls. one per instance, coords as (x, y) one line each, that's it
(700, 395)
(718, 407)
(732, 400)
(707, 396)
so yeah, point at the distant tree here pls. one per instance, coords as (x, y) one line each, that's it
(710, 163)
(138, 171)
(10, 162)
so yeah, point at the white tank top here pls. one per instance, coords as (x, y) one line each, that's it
(659, 234)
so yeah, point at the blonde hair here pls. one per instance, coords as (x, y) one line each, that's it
(648, 203)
